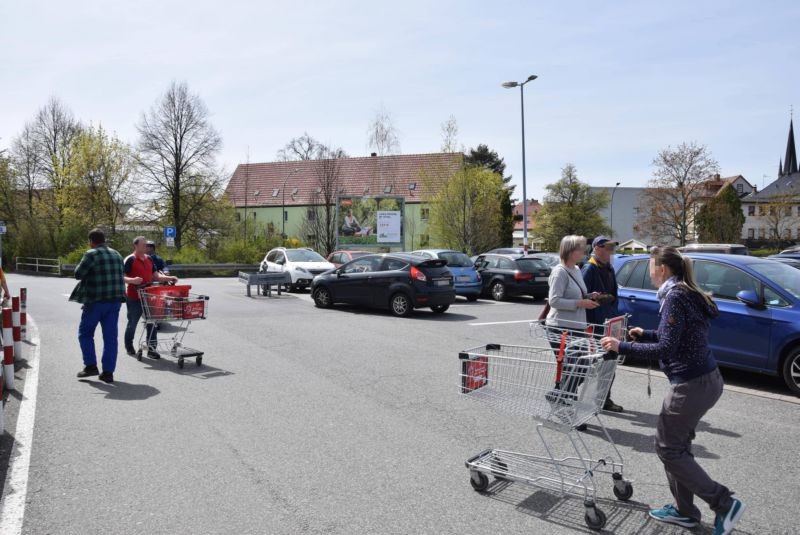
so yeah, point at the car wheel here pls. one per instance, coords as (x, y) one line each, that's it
(440, 309)
(791, 371)
(322, 297)
(400, 305)
(498, 291)
(472, 298)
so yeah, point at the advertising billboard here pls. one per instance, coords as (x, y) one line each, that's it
(370, 222)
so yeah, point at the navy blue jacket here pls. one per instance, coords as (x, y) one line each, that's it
(681, 341)
(595, 282)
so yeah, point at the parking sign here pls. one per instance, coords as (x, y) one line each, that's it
(169, 232)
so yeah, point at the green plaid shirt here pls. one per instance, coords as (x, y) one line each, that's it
(100, 275)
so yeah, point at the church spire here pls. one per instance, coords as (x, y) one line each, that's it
(790, 162)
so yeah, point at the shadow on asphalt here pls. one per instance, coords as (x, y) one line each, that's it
(122, 391)
(644, 441)
(756, 381)
(420, 314)
(624, 518)
(190, 368)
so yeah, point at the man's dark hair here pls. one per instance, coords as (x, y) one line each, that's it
(97, 236)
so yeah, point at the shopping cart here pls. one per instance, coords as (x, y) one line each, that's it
(561, 388)
(172, 304)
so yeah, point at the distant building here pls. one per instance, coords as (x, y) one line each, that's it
(772, 215)
(534, 242)
(623, 214)
(258, 194)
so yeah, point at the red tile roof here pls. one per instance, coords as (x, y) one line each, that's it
(357, 174)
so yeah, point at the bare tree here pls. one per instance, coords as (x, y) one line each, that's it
(319, 223)
(304, 147)
(673, 196)
(382, 136)
(178, 147)
(778, 214)
(26, 161)
(450, 135)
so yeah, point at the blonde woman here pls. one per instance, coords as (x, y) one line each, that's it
(568, 295)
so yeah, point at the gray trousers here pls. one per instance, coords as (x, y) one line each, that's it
(684, 405)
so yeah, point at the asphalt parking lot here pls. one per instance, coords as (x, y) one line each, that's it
(346, 420)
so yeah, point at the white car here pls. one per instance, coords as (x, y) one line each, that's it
(302, 264)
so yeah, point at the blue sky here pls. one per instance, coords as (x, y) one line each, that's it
(617, 80)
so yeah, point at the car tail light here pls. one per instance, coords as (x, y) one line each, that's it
(418, 275)
(522, 276)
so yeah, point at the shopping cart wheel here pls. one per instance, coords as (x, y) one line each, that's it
(139, 355)
(499, 469)
(595, 518)
(199, 361)
(180, 363)
(623, 490)
(479, 481)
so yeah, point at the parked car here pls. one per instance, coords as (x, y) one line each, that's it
(721, 248)
(504, 275)
(302, 264)
(510, 250)
(337, 258)
(758, 328)
(795, 255)
(400, 282)
(467, 281)
(551, 259)
(795, 249)
(788, 260)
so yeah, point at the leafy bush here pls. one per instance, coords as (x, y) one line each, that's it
(187, 255)
(763, 252)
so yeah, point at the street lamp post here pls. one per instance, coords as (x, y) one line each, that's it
(611, 218)
(283, 203)
(521, 85)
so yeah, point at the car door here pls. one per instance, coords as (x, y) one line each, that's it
(636, 294)
(353, 279)
(740, 336)
(268, 265)
(485, 265)
(391, 272)
(505, 270)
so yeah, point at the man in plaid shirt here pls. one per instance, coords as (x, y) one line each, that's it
(101, 290)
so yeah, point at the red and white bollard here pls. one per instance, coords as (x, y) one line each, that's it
(16, 327)
(8, 348)
(23, 312)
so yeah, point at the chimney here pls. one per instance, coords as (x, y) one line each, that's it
(374, 154)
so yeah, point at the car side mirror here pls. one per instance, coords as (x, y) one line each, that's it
(751, 299)
(280, 262)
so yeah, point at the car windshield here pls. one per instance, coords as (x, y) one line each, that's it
(781, 275)
(455, 259)
(358, 255)
(303, 255)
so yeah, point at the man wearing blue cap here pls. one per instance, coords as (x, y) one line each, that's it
(599, 276)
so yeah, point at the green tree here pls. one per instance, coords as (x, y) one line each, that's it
(570, 208)
(466, 212)
(721, 219)
(483, 156)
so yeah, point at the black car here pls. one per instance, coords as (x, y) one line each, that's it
(399, 282)
(511, 251)
(505, 275)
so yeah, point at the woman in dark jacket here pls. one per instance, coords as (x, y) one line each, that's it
(680, 344)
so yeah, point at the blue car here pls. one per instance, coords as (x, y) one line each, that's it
(467, 280)
(758, 328)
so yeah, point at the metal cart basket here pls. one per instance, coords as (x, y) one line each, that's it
(561, 389)
(171, 304)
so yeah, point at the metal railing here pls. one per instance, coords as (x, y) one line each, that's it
(49, 266)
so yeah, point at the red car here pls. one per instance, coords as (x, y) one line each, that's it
(337, 258)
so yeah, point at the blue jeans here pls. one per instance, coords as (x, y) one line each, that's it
(107, 315)
(134, 315)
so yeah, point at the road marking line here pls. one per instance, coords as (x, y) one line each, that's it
(498, 323)
(12, 504)
(733, 388)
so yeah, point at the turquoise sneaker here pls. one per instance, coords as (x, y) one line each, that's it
(670, 515)
(724, 524)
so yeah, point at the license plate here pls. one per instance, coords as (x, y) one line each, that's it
(442, 282)
(541, 279)
(463, 278)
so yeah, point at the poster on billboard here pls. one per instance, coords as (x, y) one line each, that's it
(370, 221)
